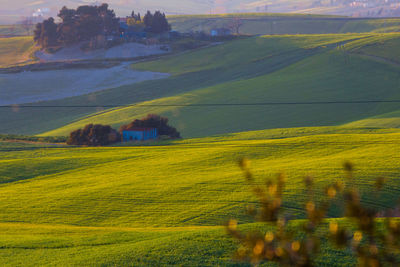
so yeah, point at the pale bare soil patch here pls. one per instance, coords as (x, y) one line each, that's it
(128, 50)
(35, 86)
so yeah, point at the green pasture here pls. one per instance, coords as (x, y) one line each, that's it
(277, 69)
(165, 203)
(49, 245)
(382, 46)
(281, 68)
(274, 23)
(15, 50)
(191, 182)
(15, 30)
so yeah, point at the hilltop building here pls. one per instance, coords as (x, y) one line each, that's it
(139, 134)
(129, 33)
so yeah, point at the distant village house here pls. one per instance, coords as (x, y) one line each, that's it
(130, 33)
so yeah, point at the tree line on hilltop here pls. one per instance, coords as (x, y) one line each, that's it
(99, 135)
(87, 22)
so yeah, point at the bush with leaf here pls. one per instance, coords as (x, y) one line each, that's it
(94, 135)
(370, 244)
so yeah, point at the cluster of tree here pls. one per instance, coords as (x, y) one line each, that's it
(156, 23)
(153, 121)
(94, 135)
(373, 241)
(81, 24)
(100, 135)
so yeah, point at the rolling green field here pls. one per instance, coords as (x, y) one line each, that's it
(278, 68)
(14, 30)
(164, 203)
(270, 23)
(300, 68)
(380, 47)
(287, 68)
(15, 50)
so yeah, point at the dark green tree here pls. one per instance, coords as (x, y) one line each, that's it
(148, 19)
(67, 15)
(88, 23)
(67, 31)
(109, 21)
(45, 33)
(37, 33)
(94, 135)
(159, 23)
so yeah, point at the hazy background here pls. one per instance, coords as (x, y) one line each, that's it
(12, 11)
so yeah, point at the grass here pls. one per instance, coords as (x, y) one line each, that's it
(275, 23)
(372, 25)
(64, 185)
(21, 138)
(93, 246)
(387, 120)
(165, 204)
(274, 69)
(306, 61)
(287, 68)
(15, 50)
(14, 30)
(381, 46)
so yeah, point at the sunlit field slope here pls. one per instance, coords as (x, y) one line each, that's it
(279, 69)
(269, 23)
(48, 245)
(15, 30)
(164, 204)
(293, 70)
(382, 47)
(15, 50)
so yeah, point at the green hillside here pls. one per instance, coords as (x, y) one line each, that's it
(270, 23)
(287, 68)
(48, 245)
(288, 103)
(305, 68)
(14, 30)
(382, 47)
(15, 50)
(165, 204)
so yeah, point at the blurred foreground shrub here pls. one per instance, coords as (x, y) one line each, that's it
(372, 246)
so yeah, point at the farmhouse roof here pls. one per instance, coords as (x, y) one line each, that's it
(139, 129)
